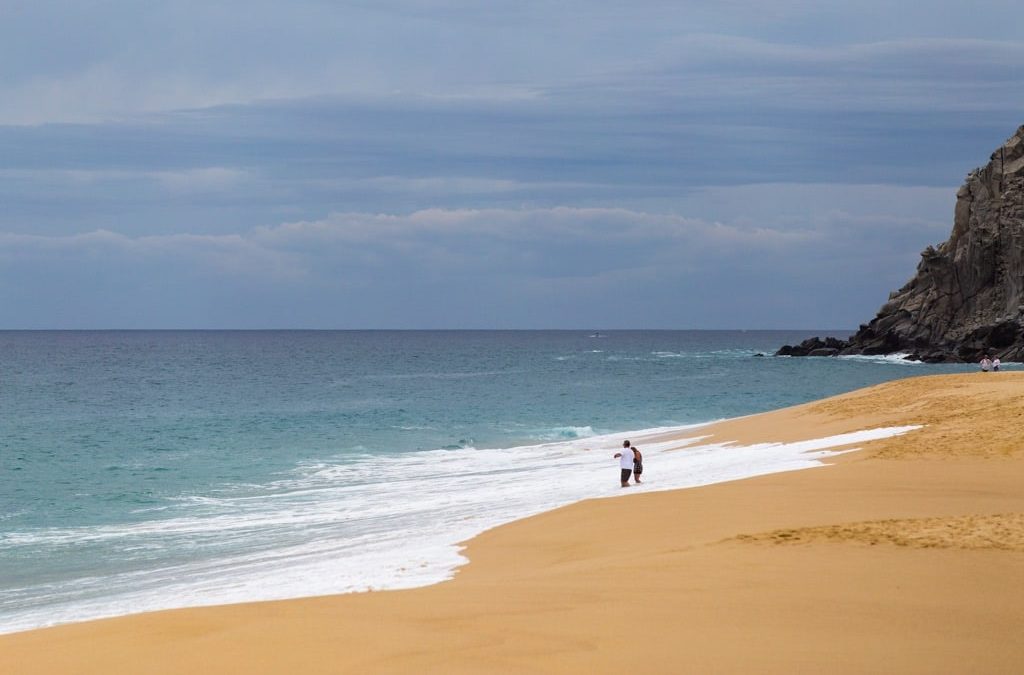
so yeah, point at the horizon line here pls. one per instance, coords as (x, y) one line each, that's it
(367, 330)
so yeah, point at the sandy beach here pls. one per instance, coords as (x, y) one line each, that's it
(905, 556)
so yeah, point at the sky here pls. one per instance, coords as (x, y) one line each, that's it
(505, 164)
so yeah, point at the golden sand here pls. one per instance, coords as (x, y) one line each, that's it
(904, 557)
(1000, 531)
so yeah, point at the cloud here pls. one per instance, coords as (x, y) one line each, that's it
(722, 71)
(204, 179)
(463, 185)
(528, 230)
(623, 153)
(220, 255)
(558, 266)
(73, 62)
(550, 242)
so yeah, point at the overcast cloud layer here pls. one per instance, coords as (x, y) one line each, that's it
(418, 163)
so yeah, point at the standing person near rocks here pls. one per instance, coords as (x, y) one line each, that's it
(995, 364)
(625, 463)
(986, 363)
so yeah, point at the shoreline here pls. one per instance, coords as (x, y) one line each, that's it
(765, 562)
(588, 460)
(681, 452)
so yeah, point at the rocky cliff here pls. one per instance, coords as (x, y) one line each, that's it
(967, 298)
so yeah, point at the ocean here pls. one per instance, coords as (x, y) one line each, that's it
(144, 470)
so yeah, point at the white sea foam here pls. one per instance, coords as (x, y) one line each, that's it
(370, 522)
(899, 358)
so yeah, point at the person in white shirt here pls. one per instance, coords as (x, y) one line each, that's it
(625, 462)
(995, 364)
(985, 364)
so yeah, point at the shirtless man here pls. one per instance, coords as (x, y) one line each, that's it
(638, 464)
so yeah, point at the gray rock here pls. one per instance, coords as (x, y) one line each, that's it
(967, 297)
(967, 294)
(814, 346)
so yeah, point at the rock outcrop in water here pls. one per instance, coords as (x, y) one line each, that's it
(967, 298)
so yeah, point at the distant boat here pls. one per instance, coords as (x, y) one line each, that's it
(597, 333)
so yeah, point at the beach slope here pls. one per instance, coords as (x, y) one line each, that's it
(906, 556)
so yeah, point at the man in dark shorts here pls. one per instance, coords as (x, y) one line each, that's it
(626, 459)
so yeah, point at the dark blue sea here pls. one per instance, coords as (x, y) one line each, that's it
(143, 470)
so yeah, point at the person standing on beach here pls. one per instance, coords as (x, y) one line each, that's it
(995, 364)
(985, 363)
(625, 463)
(638, 464)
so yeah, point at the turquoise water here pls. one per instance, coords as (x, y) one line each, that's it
(133, 464)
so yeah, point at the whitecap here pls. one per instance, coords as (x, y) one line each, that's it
(899, 358)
